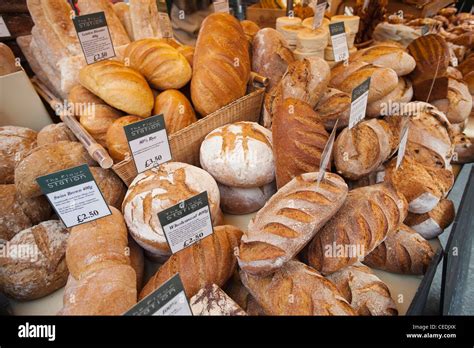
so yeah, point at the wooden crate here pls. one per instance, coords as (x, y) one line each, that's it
(264, 17)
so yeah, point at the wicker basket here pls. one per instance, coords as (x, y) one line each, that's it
(185, 144)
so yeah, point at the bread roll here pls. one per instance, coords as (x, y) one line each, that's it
(162, 65)
(113, 189)
(403, 93)
(119, 86)
(362, 223)
(432, 224)
(209, 261)
(15, 143)
(299, 139)
(388, 57)
(116, 139)
(7, 60)
(366, 293)
(176, 109)
(404, 251)
(296, 289)
(213, 301)
(18, 214)
(34, 265)
(289, 220)
(458, 104)
(239, 155)
(54, 133)
(158, 189)
(241, 201)
(334, 105)
(221, 64)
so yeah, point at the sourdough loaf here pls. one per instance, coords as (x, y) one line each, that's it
(116, 140)
(432, 224)
(402, 94)
(458, 104)
(54, 133)
(334, 105)
(212, 301)
(241, 201)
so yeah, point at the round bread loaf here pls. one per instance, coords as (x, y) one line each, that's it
(403, 93)
(116, 139)
(110, 185)
(176, 109)
(15, 143)
(158, 189)
(54, 133)
(18, 214)
(241, 201)
(239, 155)
(33, 262)
(458, 105)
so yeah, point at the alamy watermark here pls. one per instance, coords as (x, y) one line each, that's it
(27, 252)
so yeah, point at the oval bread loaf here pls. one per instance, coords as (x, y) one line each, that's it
(176, 109)
(458, 104)
(388, 57)
(401, 95)
(116, 139)
(432, 224)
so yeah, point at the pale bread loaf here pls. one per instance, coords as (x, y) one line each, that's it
(389, 57)
(458, 105)
(403, 93)
(122, 10)
(54, 133)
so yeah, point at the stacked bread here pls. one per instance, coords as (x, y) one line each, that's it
(312, 43)
(351, 25)
(289, 27)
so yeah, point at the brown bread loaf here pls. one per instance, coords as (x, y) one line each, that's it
(296, 289)
(54, 133)
(7, 61)
(361, 224)
(289, 220)
(458, 104)
(404, 251)
(403, 93)
(176, 109)
(239, 293)
(388, 57)
(116, 140)
(211, 260)
(432, 224)
(332, 106)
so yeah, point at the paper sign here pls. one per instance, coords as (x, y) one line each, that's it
(187, 222)
(4, 32)
(339, 41)
(403, 144)
(453, 59)
(169, 299)
(94, 36)
(360, 95)
(326, 155)
(148, 142)
(319, 8)
(74, 195)
(221, 6)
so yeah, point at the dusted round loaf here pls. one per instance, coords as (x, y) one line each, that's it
(176, 109)
(158, 189)
(116, 139)
(241, 201)
(54, 133)
(239, 155)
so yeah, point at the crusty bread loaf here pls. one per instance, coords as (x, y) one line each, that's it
(162, 65)
(221, 63)
(239, 293)
(54, 133)
(458, 104)
(144, 18)
(211, 260)
(404, 251)
(463, 149)
(403, 93)
(296, 289)
(45, 160)
(119, 86)
(158, 189)
(122, 10)
(176, 109)
(113, 189)
(341, 72)
(242, 201)
(211, 300)
(116, 140)
(289, 221)
(239, 155)
(102, 281)
(250, 30)
(38, 266)
(365, 292)
(299, 139)
(362, 223)
(388, 57)
(432, 224)
(334, 105)
(15, 143)
(7, 60)
(137, 261)
(18, 214)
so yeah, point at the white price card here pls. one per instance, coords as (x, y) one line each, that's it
(168, 300)
(327, 153)
(453, 59)
(4, 32)
(319, 8)
(94, 36)
(402, 147)
(339, 41)
(187, 222)
(221, 6)
(360, 95)
(348, 11)
(148, 142)
(74, 195)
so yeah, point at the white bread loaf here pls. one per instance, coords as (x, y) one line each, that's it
(351, 23)
(308, 22)
(389, 57)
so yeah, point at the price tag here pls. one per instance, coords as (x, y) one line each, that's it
(94, 36)
(403, 144)
(165, 25)
(4, 32)
(148, 142)
(348, 11)
(221, 6)
(187, 222)
(74, 195)
(453, 58)
(400, 14)
(319, 8)
(360, 95)
(326, 155)
(339, 41)
(169, 299)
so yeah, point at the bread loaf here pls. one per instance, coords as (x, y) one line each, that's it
(404, 251)
(289, 221)
(209, 261)
(7, 60)
(239, 155)
(33, 263)
(458, 104)
(158, 189)
(162, 65)
(403, 93)
(463, 149)
(296, 289)
(241, 201)
(113, 189)
(144, 18)
(102, 281)
(239, 293)
(122, 10)
(334, 105)
(45, 160)
(388, 57)
(365, 292)
(212, 301)
(54, 133)
(15, 143)
(221, 64)
(432, 224)
(137, 261)
(119, 86)
(176, 109)
(362, 223)
(341, 72)
(299, 139)
(116, 140)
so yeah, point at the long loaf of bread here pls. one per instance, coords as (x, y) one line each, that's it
(289, 220)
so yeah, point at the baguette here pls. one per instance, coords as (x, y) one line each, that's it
(122, 10)
(362, 223)
(288, 222)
